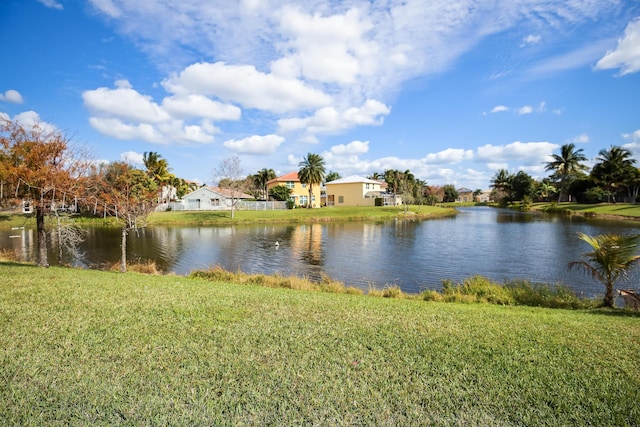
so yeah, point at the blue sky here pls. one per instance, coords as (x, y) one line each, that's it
(451, 89)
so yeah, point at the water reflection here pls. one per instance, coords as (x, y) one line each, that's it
(415, 255)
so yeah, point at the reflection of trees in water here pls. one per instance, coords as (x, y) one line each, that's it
(307, 242)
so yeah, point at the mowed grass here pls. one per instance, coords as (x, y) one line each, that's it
(297, 215)
(86, 347)
(210, 218)
(631, 211)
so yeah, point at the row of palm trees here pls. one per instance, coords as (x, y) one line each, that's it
(614, 171)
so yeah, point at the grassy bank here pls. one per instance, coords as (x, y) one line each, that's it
(207, 218)
(90, 347)
(603, 210)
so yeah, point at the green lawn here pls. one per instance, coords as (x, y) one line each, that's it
(600, 209)
(206, 218)
(88, 347)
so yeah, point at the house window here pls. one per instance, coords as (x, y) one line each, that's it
(290, 184)
(304, 185)
(303, 200)
(340, 199)
(366, 186)
(215, 202)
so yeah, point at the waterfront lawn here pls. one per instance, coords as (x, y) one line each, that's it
(296, 215)
(600, 209)
(206, 218)
(86, 347)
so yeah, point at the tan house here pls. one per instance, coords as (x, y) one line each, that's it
(299, 191)
(358, 191)
(464, 195)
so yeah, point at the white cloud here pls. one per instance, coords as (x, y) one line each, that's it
(531, 39)
(53, 4)
(124, 113)
(107, 7)
(132, 157)
(30, 119)
(124, 102)
(330, 120)
(626, 55)
(247, 86)
(634, 137)
(581, 57)
(12, 96)
(527, 109)
(255, 144)
(354, 147)
(499, 109)
(186, 106)
(581, 139)
(312, 38)
(526, 153)
(450, 155)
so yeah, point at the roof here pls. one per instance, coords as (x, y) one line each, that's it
(224, 192)
(291, 176)
(351, 179)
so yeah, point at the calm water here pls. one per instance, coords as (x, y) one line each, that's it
(415, 255)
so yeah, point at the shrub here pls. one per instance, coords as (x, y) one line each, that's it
(542, 295)
(476, 289)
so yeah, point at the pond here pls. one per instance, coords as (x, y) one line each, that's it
(416, 255)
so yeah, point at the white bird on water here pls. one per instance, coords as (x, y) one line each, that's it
(277, 243)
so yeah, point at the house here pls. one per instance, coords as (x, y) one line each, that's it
(355, 190)
(299, 191)
(209, 198)
(464, 195)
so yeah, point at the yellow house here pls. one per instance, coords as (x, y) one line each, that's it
(357, 191)
(299, 191)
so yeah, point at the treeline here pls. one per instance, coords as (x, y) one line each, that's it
(613, 178)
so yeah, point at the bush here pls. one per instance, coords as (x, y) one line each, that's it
(558, 296)
(290, 204)
(476, 289)
(378, 201)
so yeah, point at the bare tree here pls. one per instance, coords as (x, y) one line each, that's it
(129, 194)
(231, 177)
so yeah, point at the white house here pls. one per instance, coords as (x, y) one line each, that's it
(209, 198)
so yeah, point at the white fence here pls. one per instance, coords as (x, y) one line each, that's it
(240, 206)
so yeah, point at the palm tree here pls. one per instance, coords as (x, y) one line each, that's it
(501, 182)
(261, 178)
(612, 168)
(311, 172)
(566, 165)
(612, 257)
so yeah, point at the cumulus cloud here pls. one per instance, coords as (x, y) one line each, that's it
(626, 55)
(12, 96)
(450, 155)
(354, 147)
(633, 137)
(527, 109)
(525, 153)
(124, 113)
(255, 144)
(245, 85)
(132, 157)
(330, 120)
(30, 119)
(499, 109)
